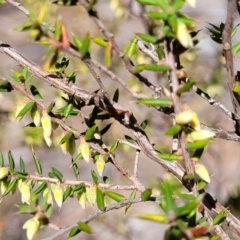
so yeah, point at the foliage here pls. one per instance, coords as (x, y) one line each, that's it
(181, 195)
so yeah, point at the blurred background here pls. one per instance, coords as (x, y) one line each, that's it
(204, 64)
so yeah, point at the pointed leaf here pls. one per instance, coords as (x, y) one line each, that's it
(37, 163)
(84, 227)
(11, 161)
(115, 196)
(100, 199)
(145, 195)
(26, 109)
(156, 102)
(175, 129)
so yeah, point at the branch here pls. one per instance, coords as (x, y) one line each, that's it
(94, 215)
(227, 52)
(76, 182)
(77, 135)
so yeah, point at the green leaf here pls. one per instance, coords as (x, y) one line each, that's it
(50, 107)
(40, 188)
(150, 67)
(115, 196)
(22, 165)
(169, 157)
(198, 144)
(100, 199)
(84, 227)
(145, 195)
(201, 185)
(116, 96)
(66, 137)
(74, 231)
(237, 88)
(114, 146)
(100, 41)
(158, 15)
(5, 86)
(156, 102)
(78, 188)
(90, 132)
(26, 209)
(35, 93)
(236, 48)
(147, 38)
(188, 208)
(25, 72)
(161, 218)
(175, 129)
(105, 129)
(67, 192)
(129, 139)
(11, 161)
(167, 202)
(85, 45)
(144, 124)
(11, 186)
(78, 43)
(1, 160)
(148, 2)
(67, 110)
(94, 177)
(132, 196)
(26, 109)
(66, 2)
(37, 163)
(57, 174)
(131, 47)
(186, 87)
(220, 218)
(76, 171)
(22, 175)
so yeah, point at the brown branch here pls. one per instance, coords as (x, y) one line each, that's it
(76, 182)
(77, 135)
(227, 52)
(94, 215)
(127, 61)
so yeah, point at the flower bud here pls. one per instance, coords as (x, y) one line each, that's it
(58, 194)
(200, 135)
(3, 186)
(47, 195)
(91, 195)
(3, 172)
(84, 149)
(188, 117)
(183, 35)
(31, 225)
(46, 123)
(82, 200)
(36, 117)
(25, 192)
(202, 172)
(100, 163)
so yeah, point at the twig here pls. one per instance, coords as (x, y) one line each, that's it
(123, 116)
(77, 135)
(217, 228)
(94, 215)
(135, 171)
(170, 58)
(129, 144)
(227, 52)
(128, 63)
(77, 182)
